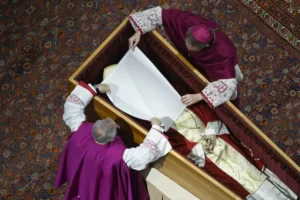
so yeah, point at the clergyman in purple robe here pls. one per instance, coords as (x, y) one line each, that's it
(95, 162)
(201, 42)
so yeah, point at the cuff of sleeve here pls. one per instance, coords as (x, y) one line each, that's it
(158, 128)
(162, 142)
(216, 128)
(206, 99)
(84, 92)
(89, 87)
(135, 25)
(94, 89)
(197, 155)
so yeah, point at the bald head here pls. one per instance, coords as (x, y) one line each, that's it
(104, 130)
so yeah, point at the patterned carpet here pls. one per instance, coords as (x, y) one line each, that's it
(43, 42)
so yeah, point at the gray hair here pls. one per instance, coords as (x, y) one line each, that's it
(104, 131)
(193, 41)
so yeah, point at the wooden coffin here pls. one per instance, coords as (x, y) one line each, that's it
(180, 72)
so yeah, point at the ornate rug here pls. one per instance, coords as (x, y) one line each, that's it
(43, 42)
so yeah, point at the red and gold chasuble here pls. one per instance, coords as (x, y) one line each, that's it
(230, 162)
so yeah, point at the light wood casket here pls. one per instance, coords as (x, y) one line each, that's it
(180, 72)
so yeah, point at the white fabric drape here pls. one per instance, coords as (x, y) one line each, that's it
(139, 89)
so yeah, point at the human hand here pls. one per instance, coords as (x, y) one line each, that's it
(209, 143)
(190, 99)
(155, 121)
(134, 40)
(103, 88)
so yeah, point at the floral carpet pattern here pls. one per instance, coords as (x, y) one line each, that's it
(284, 22)
(44, 42)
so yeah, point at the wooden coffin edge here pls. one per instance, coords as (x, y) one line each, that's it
(179, 172)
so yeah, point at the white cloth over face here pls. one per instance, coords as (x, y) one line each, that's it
(139, 89)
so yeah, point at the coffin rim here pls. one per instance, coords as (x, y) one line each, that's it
(197, 73)
(72, 83)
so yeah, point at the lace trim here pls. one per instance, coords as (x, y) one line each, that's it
(72, 98)
(147, 20)
(154, 150)
(218, 92)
